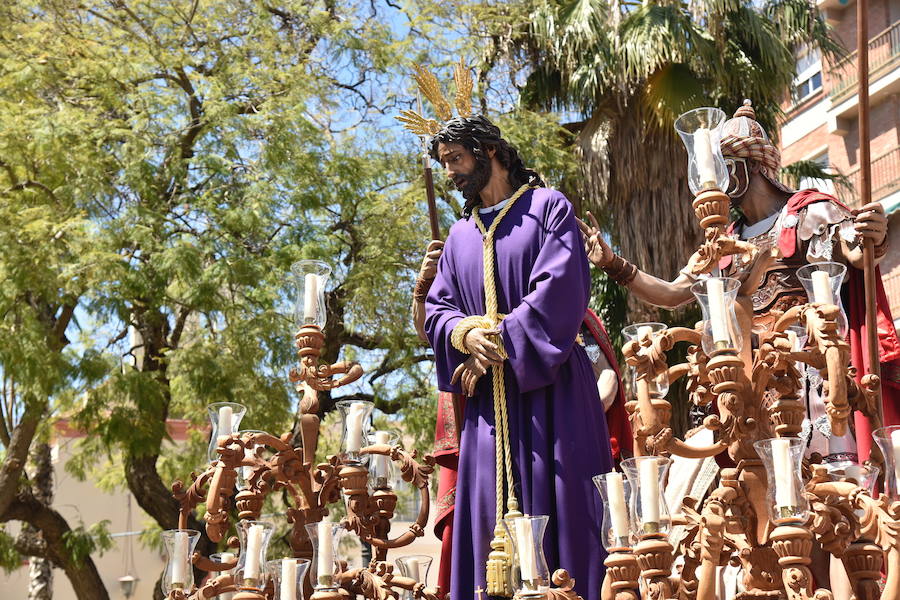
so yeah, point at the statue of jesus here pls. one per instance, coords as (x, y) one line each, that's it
(541, 284)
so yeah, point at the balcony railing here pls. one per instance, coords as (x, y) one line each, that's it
(885, 178)
(884, 53)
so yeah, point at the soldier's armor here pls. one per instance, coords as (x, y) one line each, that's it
(819, 227)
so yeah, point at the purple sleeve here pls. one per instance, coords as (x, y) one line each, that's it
(540, 332)
(443, 310)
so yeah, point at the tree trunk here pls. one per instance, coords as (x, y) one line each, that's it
(40, 570)
(17, 453)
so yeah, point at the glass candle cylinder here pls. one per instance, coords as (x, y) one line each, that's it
(226, 421)
(888, 440)
(415, 567)
(659, 385)
(250, 572)
(822, 282)
(616, 531)
(326, 538)
(701, 132)
(250, 450)
(355, 415)
(381, 466)
(783, 458)
(225, 557)
(310, 278)
(649, 511)
(530, 575)
(721, 330)
(179, 573)
(864, 476)
(288, 576)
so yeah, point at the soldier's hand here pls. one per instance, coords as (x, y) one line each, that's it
(598, 252)
(871, 222)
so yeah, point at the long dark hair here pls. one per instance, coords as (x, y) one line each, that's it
(477, 134)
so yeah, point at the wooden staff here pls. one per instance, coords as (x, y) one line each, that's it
(865, 192)
(429, 183)
(429, 195)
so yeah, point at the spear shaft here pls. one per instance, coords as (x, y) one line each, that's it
(865, 192)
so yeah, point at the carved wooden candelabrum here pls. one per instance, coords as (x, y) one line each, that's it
(773, 506)
(262, 464)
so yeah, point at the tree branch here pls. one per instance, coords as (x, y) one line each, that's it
(366, 342)
(17, 452)
(36, 185)
(54, 528)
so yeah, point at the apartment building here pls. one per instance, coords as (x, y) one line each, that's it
(822, 116)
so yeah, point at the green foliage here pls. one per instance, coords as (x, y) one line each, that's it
(10, 559)
(810, 169)
(81, 542)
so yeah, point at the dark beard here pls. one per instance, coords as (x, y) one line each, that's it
(471, 185)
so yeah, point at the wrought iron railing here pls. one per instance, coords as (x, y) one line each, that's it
(884, 51)
(885, 178)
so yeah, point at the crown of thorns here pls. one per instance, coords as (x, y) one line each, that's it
(431, 89)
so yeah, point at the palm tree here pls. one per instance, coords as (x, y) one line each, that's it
(629, 69)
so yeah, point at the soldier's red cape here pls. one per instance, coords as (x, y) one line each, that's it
(616, 416)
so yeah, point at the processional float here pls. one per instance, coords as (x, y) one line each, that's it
(773, 504)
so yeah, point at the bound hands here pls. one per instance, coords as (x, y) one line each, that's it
(483, 354)
(871, 223)
(598, 252)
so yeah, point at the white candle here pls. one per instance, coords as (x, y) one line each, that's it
(225, 420)
(785, 494)
(821, 283)
(895, 446)
(226, 557)
(525, 542)
(703, 154)
(325, 558)
(649, 478)
(288, 579)
(310, 297)
(412, 565)
(254, 545)
(618, 510)
(854, 472)
(180, 563)
(355, 426)
(644, 331)
(715, 293)
(381, 464)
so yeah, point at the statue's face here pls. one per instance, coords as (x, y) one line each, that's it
(467, 173)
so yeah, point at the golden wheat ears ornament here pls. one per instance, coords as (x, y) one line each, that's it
(431, 89)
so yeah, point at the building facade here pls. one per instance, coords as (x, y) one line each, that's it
(822, 116)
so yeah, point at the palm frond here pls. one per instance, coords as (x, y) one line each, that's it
(795, 172)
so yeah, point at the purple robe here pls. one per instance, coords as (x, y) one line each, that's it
(558, 432)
